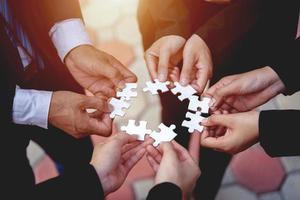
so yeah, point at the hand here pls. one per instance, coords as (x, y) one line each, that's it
(246, 91)
(241, 131)
(114, 159)
(97, 71)
(172, 163)
(68, 112)
(164, 55)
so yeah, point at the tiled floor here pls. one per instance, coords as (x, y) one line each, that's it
(252, 175)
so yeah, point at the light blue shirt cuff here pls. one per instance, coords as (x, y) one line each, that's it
(31, 107)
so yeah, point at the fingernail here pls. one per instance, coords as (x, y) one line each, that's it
(204, 120)
(161, 77)
(184, 82)
(121, 84)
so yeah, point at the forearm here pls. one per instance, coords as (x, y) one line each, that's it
(278, 133)
(224, 30)
(170, 17)
(287, 66)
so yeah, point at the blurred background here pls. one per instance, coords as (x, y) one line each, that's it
(252, 175)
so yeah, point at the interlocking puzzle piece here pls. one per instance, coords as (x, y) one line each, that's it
(185, 91)
(195, 104)
(194, 122)
(156, 86)
(166, 134)
(140, 131)
(128, 92)
(118, 105)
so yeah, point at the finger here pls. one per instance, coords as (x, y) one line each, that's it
(130, 146)
(102, 87)
(153, 164)
(131, 162)
(183, 152)
(194, 146)
(154, 153)
(122, 138)
(212, 142)
(94, 103)
(202, 79)
(132, 152)
(168, 151)
(224, 92)
(217, 120)
(128, 76)
(188, 64)
(163, 64)
(98, 127)
(152, 62)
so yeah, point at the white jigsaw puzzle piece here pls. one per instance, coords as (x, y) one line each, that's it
(156, 86)
(194, 122)
(128, 92)
(185, 91)
(140, 131)
(195, 104)
(166, 134)
(118, 105)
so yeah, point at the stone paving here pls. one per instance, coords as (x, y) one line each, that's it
(252, 175)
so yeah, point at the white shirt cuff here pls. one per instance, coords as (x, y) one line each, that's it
(31, 107)
(68, 34)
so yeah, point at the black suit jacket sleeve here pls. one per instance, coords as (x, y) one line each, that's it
(165, 191)
(81, 183)
(287, 65)
(225, 29)
(278, 130)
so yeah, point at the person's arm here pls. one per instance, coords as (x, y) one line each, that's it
(278, 133)
(80, 183)
(287, 66)
(31, 107)
(163, 190)
(222, 31)
(169, 17)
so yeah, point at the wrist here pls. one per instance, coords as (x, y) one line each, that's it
(76, 54)
(105, 182)
(275, 79)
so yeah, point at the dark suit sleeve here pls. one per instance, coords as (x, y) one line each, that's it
(165, 191)
(229, 26)
(81, 183)
(279, 132)
(287, 66)
(58, 10)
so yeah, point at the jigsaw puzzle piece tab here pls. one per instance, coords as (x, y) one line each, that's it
(128, 91)
(166, 134)
(195, 104)
(184, 91)
(194, 122)
(154, 87)
(137, 130)
(118, 105)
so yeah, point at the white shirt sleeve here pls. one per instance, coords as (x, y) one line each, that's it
(31, 107)
(68, 34)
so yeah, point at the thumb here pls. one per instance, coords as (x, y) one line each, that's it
(221, 90)
(213, 142)
(168, 152)
(95, 103)
(224, 120)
